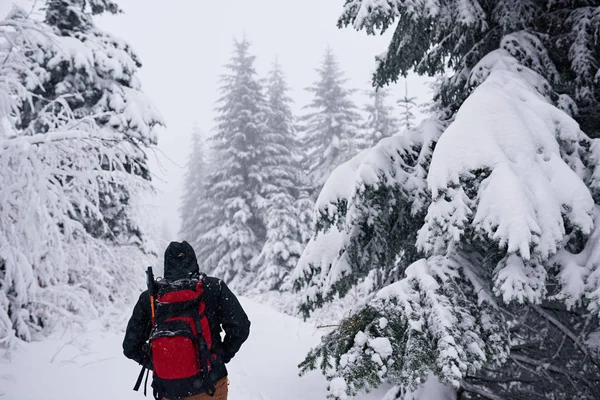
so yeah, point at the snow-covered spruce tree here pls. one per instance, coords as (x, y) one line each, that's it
(282, 247)
(407, 104)
(330, 128)
(305, 211)
(367, 218)
(52, 169)
(235, 188)
(430, 37)
(503, 303)
(280, 189)
(95, 73)
(194, 204)
(381, 118)
(209, 241)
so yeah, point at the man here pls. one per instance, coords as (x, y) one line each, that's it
(222, 310)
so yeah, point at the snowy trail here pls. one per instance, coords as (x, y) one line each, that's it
(90, 366)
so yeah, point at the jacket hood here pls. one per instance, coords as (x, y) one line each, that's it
(180, 262)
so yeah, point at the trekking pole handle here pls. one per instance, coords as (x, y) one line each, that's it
(151, 286)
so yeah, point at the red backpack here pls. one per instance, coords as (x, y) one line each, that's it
(180, 340)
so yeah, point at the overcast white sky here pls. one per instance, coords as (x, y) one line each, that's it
(183, 45)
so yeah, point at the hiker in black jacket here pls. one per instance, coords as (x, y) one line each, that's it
(222, 310)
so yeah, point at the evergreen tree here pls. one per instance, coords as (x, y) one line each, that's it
(480, 257)
(283, 245)
(281, 159)
(556, 38)
(60, 154)
(208, 243)
(331, 128)
(94, 73)
(381, 121)
(235, 185)
(304, 207)
(280, 189)
(193, 201)
(407, 104)
(70, 16)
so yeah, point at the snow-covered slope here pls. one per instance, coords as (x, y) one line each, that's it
(90, 365)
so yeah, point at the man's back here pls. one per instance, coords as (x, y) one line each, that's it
(222, 309)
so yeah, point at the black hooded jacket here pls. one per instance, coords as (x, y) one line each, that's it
(223, 312)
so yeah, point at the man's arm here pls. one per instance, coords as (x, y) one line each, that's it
(138, 332)
(234, 321)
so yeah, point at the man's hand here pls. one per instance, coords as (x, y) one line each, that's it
(234, 321)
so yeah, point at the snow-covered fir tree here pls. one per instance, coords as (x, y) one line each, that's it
(305, 211)
(331, 127)
(474, 236)
(407, 104)
(281, 189)
(381, 118)
(282, 247)
(194, 203)
(96, 79)
(237, 231)
(566, 30)
(281, 159)
(60, 154)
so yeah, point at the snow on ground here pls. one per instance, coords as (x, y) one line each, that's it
(90, 365)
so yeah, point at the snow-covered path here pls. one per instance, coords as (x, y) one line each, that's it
(90, 366)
